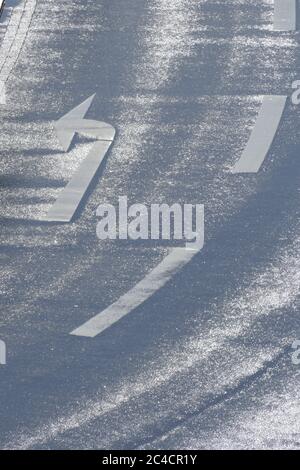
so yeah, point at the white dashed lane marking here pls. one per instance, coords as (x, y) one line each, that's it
(285, 15)
(262, 136)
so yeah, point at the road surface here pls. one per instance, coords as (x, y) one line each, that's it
(206, 361)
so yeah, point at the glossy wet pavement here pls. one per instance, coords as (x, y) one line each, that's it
(206, 362)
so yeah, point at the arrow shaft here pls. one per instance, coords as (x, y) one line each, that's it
(69, 200)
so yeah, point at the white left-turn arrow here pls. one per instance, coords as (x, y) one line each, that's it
(68, 201)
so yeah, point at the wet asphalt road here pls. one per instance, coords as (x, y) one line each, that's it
(206, 362)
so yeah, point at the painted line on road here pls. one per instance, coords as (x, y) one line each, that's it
(285, 15)
(2, 353)
(68, 201)
(262, 136)
(152, 282)
(155, 280)
(2, 93)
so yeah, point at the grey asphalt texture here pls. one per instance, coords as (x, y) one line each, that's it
(206, 362)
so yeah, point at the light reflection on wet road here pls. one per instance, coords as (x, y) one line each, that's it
(181, 80)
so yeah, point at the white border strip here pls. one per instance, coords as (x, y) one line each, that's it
(262, 136)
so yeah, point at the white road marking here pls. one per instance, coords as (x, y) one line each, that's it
(262, 136)
(155, 280)
(64, 131)
(68, 201)
(285, 15)
(2, 93)
(2, 353)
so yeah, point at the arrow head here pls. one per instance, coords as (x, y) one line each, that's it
(64, 133)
